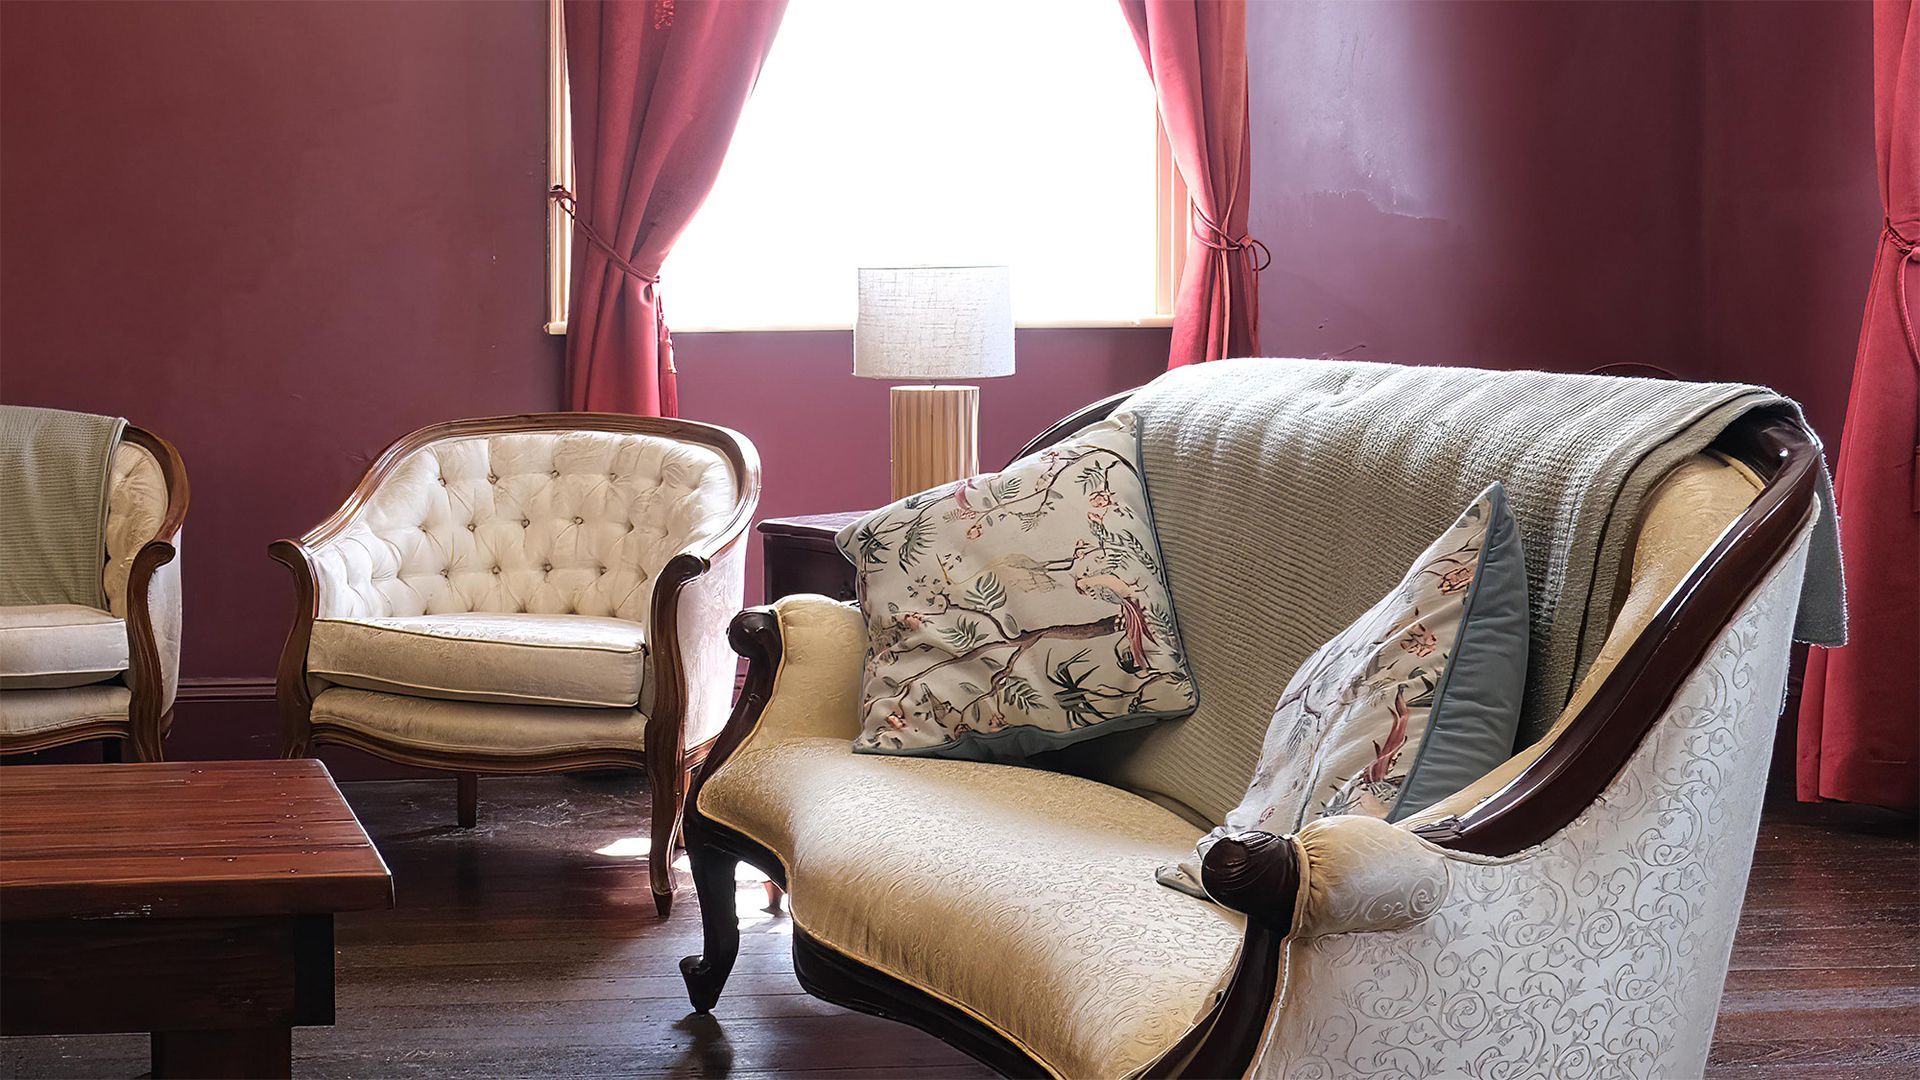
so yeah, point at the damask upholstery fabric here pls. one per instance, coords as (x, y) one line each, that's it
(473, 727)
(1601, 952)
(1023, 897)
(545, 523)
(29, 712)
(1019, 611)
(48, 646)
(567, 660)
(1429, 679)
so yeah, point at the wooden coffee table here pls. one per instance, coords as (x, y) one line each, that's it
(193, 900)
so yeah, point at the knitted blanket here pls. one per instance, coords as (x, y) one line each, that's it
(1289, 495)
(53, 505)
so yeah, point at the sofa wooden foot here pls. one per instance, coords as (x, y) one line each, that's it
(469, 804)
(713, 882)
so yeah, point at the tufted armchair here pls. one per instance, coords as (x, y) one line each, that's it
(528, 594)
(70, 673)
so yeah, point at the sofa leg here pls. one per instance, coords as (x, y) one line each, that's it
(146, 737)
(469, 799)
(713, 882)
(669, 802)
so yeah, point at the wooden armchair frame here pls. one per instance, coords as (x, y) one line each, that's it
(149, 717)
(1258, 873)
(688, 613)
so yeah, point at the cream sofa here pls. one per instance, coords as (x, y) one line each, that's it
(528, 594)
(70, 673)
(1577, 905)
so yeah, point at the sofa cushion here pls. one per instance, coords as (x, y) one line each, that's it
(569, 660)
(1023, 897)
(1018, 611)
(1414, 700)
(48, 646)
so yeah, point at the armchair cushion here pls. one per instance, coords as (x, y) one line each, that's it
(480, 728)
(50, 646)
(565, 660)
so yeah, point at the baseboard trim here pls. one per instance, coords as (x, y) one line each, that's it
(225, 688)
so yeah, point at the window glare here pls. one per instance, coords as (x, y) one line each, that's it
(887, 133)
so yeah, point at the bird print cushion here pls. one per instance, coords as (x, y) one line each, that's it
(1021, 611)
(1415, 700)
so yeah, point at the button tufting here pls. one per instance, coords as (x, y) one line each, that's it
(492, 478)
(524, 523)
(496, 569)
(579, 521)
(469, 526)
(442, 479)
(446, 574)
(546, 568)
(555, 474)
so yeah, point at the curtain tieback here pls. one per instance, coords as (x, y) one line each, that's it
(1213, 236)
(1909, 253)
(568, 203)
(566, 200)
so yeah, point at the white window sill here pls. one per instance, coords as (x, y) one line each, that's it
(1145, 321)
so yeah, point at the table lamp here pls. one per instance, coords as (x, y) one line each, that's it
(933, 323)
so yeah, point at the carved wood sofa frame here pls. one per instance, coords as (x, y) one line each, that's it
(681, 620)
(148, 720)
(1258, 873)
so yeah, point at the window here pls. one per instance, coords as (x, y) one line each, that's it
(884, 133)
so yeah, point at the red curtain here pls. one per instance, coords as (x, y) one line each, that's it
(1196, 52)
(1860, 706)
(657, 89)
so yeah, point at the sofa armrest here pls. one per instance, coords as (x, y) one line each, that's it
(1335, 876)
(805, 654)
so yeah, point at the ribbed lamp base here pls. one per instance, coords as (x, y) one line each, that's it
(936, 436)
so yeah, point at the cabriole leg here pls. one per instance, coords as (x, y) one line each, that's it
(713, 882)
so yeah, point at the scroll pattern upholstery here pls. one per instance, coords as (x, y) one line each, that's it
(1025, 897)
(551, 523)
(1599, 953)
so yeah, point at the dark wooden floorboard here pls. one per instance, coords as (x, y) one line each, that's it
(528, 946)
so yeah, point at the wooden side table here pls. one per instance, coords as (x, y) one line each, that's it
(799, 556)
(192, 900)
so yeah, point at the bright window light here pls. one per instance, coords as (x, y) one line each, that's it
(890, 133)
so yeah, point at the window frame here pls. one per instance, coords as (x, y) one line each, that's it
(1171, 209)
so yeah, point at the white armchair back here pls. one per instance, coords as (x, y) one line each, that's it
(544, 522)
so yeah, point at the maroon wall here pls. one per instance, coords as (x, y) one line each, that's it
(1792, 207)
(1495, 185)
(1568, 185)
(283, 234)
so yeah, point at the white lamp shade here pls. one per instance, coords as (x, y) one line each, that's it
(934, 322)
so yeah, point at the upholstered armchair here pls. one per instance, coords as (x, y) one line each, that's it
(70, 673)
(528, 594)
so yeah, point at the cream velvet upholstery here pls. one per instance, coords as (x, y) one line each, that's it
(565, 660)
(64, 665)
(49, 646)
(539, 522)
(1601, 951)
(1024, 897)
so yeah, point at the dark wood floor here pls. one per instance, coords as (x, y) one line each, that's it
(528, 946)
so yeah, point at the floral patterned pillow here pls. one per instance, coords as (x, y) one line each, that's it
(1018, 612)
(1415, 700)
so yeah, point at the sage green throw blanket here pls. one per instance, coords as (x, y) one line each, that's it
(53, 505)
(1289, 495)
